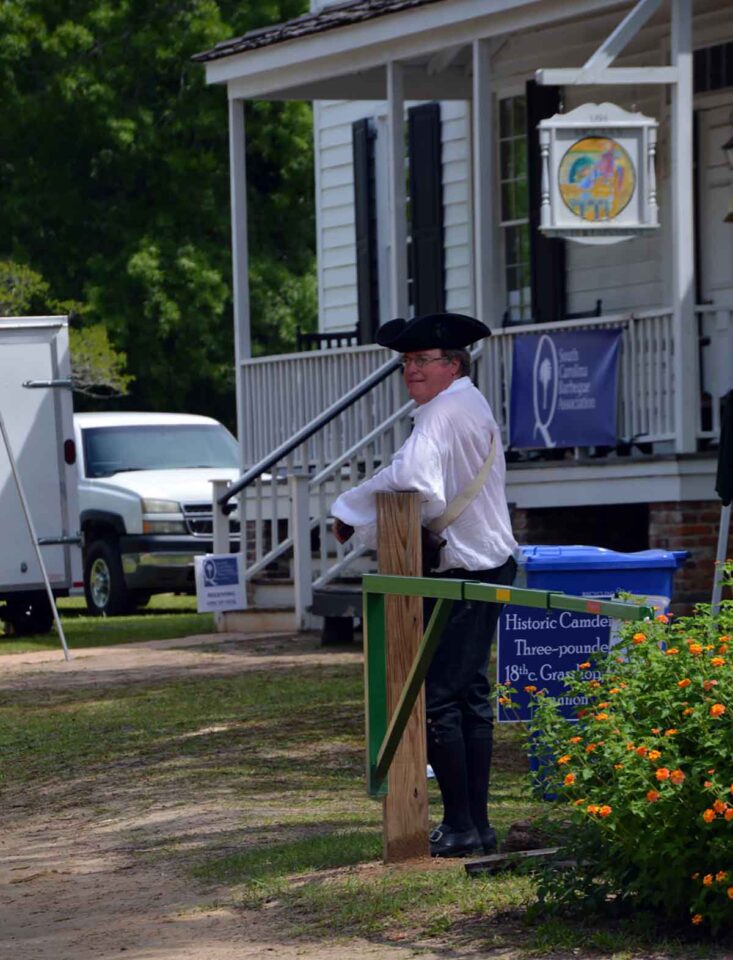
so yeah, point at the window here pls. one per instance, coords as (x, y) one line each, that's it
(713, 68)
(515, 209)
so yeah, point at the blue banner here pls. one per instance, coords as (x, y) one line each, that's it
(564, 389)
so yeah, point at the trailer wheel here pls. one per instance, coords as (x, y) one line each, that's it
(26, 614)
(104, 582)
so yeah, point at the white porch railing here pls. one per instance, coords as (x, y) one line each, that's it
(285, 393)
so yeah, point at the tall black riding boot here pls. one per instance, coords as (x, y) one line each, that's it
(478, 766)
(456, 836)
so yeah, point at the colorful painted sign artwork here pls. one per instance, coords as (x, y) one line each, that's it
(596, 178)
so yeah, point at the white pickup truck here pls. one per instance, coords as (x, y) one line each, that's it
(145, 502)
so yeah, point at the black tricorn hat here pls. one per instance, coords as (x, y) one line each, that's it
(434, 331)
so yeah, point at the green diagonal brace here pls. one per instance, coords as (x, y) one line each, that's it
(413, 683)
(375, 683)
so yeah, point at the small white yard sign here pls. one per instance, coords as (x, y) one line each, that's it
(219, 582)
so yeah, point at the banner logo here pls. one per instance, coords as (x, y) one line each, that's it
(564, 389)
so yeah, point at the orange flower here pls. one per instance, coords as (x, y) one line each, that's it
(594, 683)
(601, 716)
(605, 811)
(662, 618)
(717, 710)
(530, 688)
(728, 814)
(721, 875)
(614, 690)
(724, 639)
(652, 796)
(630, 746)
(639, 637)
(684, 683)
(656, 730)
(677, 777)
(584, 666)
(687, 711)
(604, 705)
(566, 758)
(717, 661)
(569, 779)
(707, 880)
(694, 876)
(709, 684)
(708, 784)
(642, 751)
(592, 808)
(618, 766)
(697, 919)
(671, 732)
(579, 803)
(504, 701)
(730, 893)
(662, 774)
(591, 747)
(654, 755)
(720, 806)
(671, 652)
(695, 649)
(708, 815)
(575, 740)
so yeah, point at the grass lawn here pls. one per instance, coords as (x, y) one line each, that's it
(283, 748)
(165, 616)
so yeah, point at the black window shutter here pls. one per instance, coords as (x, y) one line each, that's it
(547, 256)
(365, 213)
(427, 266)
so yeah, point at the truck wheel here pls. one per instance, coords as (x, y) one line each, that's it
(27, 614)
(104, 582)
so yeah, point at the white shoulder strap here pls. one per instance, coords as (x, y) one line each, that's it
(459, 503)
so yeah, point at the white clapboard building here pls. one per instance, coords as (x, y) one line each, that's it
(430, 194)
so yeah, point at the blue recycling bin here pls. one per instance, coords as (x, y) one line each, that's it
(540, 648)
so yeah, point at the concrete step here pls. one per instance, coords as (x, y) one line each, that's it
(257, 621)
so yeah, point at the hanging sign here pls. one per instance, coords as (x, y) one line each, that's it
(564, 388)
(598, 177)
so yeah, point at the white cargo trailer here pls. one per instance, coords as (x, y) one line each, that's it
(36, 409)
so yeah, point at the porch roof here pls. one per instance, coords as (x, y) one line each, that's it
(338, 15)
(340, 53)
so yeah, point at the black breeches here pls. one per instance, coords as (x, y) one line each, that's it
(457, 692)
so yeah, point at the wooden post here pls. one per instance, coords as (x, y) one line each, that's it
(405, 808)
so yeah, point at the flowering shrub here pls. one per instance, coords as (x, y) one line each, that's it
(645, 776)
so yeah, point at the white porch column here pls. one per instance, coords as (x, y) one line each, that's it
(396, 167)
(686, 391)
(487, 270)
(240, 256)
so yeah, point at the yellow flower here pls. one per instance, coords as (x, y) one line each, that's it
(717, 710)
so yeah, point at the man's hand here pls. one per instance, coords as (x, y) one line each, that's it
(342, 531)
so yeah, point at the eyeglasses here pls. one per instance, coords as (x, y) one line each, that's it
(419, 362)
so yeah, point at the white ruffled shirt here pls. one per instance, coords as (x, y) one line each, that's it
(444, 453)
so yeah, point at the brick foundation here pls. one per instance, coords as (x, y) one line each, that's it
(690, 525)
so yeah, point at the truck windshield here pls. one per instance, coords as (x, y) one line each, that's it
(110, 450)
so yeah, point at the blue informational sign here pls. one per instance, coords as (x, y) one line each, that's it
(219, 582)
(564, 388)
(540, 649)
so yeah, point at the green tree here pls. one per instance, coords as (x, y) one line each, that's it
(114, 185)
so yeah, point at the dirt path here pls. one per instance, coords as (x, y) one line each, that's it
(73, 885)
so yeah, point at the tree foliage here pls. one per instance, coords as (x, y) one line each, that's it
(114, 185)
